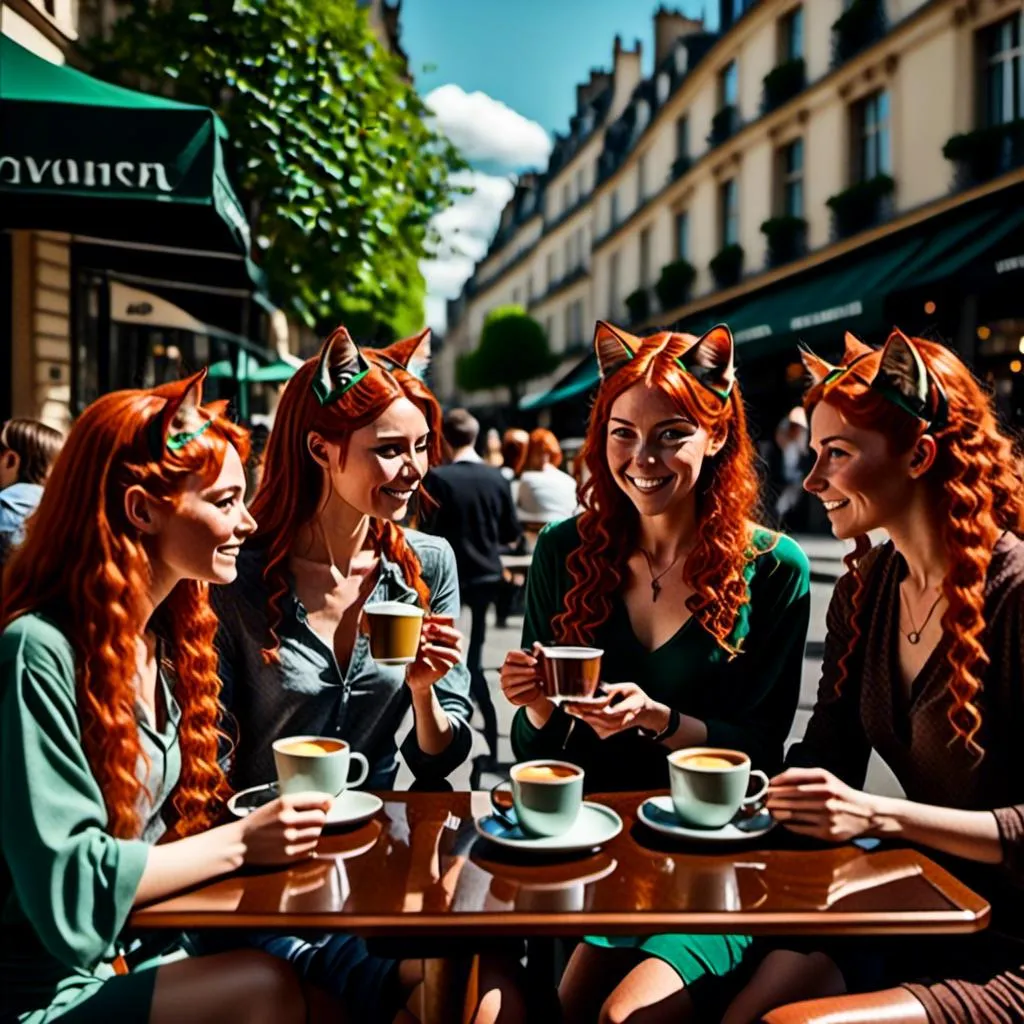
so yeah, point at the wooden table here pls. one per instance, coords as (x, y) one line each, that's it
(418, 870)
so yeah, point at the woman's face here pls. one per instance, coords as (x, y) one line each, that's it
(385, 463)
(200, 536)
(861, 484)
(655, 451)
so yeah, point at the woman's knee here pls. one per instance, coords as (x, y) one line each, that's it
(269, 988)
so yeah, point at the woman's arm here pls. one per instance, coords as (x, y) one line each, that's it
(441, 737)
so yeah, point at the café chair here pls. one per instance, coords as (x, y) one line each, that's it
(892, 1006)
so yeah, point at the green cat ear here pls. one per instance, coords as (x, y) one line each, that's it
(904, 379)
(341, 367)
(181, 420)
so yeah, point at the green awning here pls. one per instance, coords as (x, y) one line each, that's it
(241, 368)
(276, 372)
(91, 158)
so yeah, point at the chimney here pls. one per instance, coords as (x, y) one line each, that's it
(669, 27)
(626, 75)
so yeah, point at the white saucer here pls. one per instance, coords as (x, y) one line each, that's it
(595, 825)
(657, 812)
(352, 806)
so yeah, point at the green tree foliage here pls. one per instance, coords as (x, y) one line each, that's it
(513, 350)
(336, 154)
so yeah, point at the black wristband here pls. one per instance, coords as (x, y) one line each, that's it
(674, 718)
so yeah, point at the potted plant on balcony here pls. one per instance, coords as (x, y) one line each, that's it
(638, 304)
(861, 24)
(861, 206)
(727, 266)
(673, 287)
(681, 165)
(786, 237)
(987, 152)
(723, 124)
(782, 83)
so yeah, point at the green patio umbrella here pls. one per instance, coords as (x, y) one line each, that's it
(276, 372)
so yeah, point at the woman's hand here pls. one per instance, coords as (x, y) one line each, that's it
(285, 830)
(813, 802)
(626, 707)
(439, 652)
(520, 678)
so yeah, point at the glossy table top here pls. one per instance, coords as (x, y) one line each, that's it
(419, 868)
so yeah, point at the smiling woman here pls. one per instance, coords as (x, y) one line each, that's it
(353, 438)
(701, 612)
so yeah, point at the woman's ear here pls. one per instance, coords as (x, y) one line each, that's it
(142, 512)
(923, 456)
(318, 449)
(716, 444)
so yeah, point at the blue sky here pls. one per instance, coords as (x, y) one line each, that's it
(501, 78)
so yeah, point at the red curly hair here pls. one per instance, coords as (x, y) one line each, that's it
(727, 494)
(978, 492)
(84, 565)
(543, 442)
(291, 489)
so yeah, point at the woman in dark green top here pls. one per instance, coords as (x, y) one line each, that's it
(701, 614)
(108, 725)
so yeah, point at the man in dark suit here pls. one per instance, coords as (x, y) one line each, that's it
(476, 515)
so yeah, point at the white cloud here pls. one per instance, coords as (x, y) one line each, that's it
(485, 129)
(466, 229)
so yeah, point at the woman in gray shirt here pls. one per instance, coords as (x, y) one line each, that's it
(353, 437)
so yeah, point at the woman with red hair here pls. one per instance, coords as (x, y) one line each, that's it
(353, 437)
(701, 614)
(108, 721)
(924, 664)
(546, 494)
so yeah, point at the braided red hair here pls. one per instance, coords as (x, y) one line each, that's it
(978, 493)
(84, 565)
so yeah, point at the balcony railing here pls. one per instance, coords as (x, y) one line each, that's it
(674, 284)
(982, 155)
(860, 25)
(782, 83)
(724, 124)
(787, 239)
(727, 266)
(862, 206)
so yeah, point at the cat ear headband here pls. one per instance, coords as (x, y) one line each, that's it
(181, 420)
(341, 366)
(710, 360)
(902, 376)
(410, 354)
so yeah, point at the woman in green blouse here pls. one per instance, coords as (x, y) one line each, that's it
(702, 616)
(108, 724)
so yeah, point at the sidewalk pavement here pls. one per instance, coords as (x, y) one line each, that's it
(825, 554)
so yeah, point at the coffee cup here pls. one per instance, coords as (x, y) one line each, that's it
(546, 795)
(710, 784)
(569, 673)
(394, 628)
(316, 764)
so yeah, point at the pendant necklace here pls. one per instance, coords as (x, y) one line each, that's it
(914, 636)
(655, 580)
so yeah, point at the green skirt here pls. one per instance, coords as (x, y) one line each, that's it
(692, 957)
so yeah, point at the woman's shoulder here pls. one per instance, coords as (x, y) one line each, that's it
(778, 553)
(35, 642)
(561, 538)
(434, 553)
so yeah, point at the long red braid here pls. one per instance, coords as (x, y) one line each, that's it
(978, 493)
(84, 565)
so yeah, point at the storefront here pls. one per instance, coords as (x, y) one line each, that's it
(102, 186)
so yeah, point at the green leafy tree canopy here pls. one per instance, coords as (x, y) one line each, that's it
(513, 350)
(336, 154)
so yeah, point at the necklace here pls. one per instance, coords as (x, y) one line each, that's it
(655, 580)
(914, 636)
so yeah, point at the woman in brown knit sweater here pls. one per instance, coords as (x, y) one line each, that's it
(924, 663)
